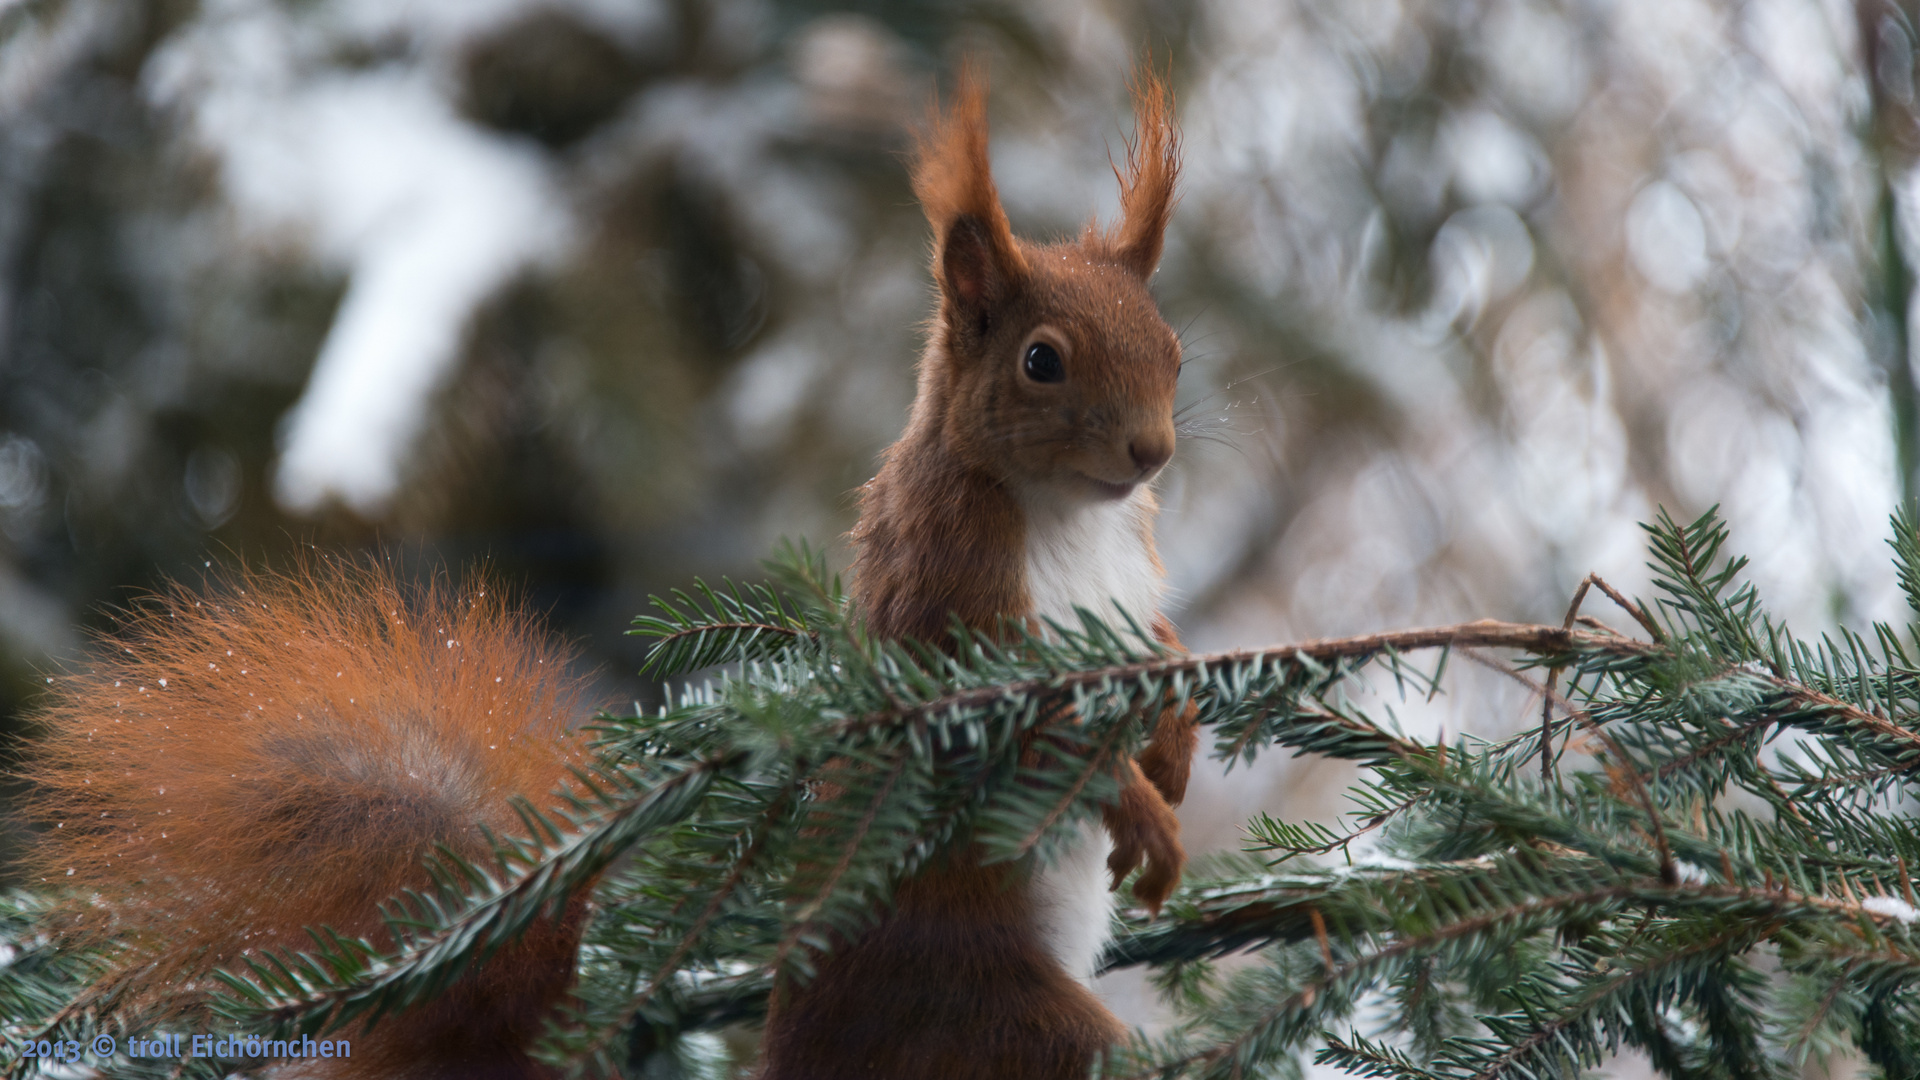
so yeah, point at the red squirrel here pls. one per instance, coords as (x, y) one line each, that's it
(286, 752)
(1019, 490)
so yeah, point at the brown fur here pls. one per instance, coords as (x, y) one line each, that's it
(1168, 759)
(951, 984)
(284, 753)
(955, 981)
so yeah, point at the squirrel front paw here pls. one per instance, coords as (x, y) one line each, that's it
(1168, 758)
(1145, 829)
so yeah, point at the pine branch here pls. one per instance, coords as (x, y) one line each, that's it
(1507, 920)
(1311, 838)
(718, 626)
(1906, 554)
(344, 981)
(805, 929)
(1363, 1058)
(722, 1007)
(1485, 633)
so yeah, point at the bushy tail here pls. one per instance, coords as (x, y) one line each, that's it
(284, 752)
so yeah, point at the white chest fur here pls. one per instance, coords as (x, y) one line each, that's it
(1091, 555)
(1088, 556)
(1071, 902)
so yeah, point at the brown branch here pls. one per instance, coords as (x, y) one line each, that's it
(1639, 613)
(1553, 683)
(1501, 667)
(1669, 873)
(1553, 674)
(1546, 728)
(1487, 633)
(1320, 935)
(1879, 724)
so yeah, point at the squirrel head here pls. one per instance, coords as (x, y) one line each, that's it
(1049, 366)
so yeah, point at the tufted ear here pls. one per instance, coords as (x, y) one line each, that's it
(1147, 184)
(975, 259)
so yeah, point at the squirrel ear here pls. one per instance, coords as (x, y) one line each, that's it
(1147, 185)
(967, 270)
(975, 257)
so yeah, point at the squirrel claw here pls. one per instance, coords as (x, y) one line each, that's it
(1156, 885)
(1145, 830)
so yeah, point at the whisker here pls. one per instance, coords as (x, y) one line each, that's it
(1181, 334)
(1231, 405)
(1213, 427)
(1188, 356)
(1218, 436)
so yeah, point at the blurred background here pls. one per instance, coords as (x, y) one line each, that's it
(612, 293)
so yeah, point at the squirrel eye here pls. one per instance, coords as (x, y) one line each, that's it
(1043, 363)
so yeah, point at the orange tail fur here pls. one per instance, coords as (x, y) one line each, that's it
(284, 753)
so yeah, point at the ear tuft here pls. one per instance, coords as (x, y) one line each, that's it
(975, 257)
(1147, 185)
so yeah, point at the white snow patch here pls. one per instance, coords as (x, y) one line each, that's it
(375, 173)
(1891, 908)
(1690, 873)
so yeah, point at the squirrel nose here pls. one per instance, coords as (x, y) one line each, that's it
(1150, 452)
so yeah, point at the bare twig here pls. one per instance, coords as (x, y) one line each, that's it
(1669, 873)
(1592, 623)
(1553, 674)
(1639, 613)
(1553, 683)
(1320, 934)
